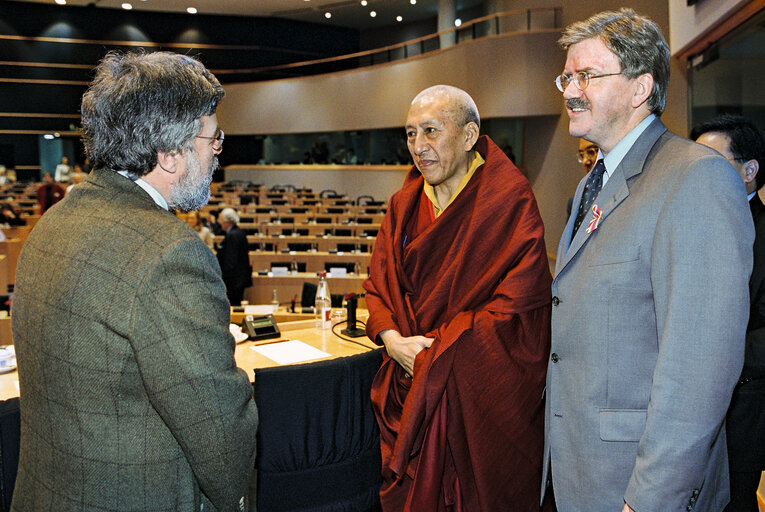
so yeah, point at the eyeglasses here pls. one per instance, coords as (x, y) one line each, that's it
(217, 140)
(590, 152)
(581, 79)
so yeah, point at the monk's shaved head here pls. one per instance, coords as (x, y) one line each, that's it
(460, 106)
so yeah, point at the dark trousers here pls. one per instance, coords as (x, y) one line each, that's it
(743, 491)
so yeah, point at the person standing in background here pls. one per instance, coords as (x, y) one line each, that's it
(743, 145)
(234, 257)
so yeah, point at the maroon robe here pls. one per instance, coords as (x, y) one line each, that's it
(466, 432)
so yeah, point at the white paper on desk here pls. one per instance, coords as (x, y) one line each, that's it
(338, 271)
(259, 309)
(290, 352)
(279, 271)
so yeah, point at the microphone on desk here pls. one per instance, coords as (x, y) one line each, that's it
(352, 302)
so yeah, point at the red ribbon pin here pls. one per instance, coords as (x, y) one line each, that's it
(596, 213)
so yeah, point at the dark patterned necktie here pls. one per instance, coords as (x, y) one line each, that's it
(591, 189)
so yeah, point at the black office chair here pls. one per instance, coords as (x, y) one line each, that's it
(323, 220)
(340, 232)
(369, 232)
(334, 210)
(352, 247)
(364, 220)
(10, 441)
(299, 246)
(326, 194)
(318, 442)
(297, 209)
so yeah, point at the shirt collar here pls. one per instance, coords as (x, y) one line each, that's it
(430, 190)
(616, 155)
(153, 192)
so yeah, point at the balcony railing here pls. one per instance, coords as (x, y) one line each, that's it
(508, 22)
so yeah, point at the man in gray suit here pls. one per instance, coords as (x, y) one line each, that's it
(650, 295)
(130, 396)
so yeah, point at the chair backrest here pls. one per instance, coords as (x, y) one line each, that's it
(318, 442)
(345, 247)
(10, 441)
(308, 295)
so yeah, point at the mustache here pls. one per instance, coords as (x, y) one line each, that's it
(577, 103)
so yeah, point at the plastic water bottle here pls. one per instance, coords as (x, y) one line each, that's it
(293, 267)
(323, 304)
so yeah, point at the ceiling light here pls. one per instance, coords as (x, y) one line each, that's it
(399, 18)
(49, 136)
(413, 2)
(127, 6)
(364, 2)
(328, 15)
(191, 10)
(457, 22)
(373, 13)
(61, 2)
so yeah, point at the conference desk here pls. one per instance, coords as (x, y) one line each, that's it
(314, 261)
(324, 243)
(291, 286)
(292, 326)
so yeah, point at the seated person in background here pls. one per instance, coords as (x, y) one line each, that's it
(459, 294)
(49, 193)
(194, 220)
(9, 217)
(233, 256)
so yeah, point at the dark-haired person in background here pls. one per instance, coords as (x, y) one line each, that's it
(739, 140)
(130, 395)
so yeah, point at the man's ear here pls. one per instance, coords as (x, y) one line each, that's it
(168, 161)
(750, 169)
(643, 89)
(471, 135)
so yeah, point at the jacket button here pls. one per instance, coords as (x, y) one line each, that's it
(554, 357)
(555, 301)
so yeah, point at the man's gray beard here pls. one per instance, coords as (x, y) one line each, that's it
(192, 191)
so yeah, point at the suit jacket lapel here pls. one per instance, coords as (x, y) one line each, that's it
(613, 193)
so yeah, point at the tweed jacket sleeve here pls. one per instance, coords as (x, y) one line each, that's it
(185, 357)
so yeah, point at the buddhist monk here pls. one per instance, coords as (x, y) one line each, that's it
(459, 295)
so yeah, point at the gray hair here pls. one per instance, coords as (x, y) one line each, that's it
(635, 40)
(141, 104)
(228, 214)
(462, 108)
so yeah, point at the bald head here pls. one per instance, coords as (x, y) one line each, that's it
(457, 103)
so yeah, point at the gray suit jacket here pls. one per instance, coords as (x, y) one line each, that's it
(130, 396)
(648, 321)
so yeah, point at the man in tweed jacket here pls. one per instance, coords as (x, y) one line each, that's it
(130, 396)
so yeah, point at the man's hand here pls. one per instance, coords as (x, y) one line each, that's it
(404, 350)
(627, 508)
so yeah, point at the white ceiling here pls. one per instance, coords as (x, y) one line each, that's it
(345, 13)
